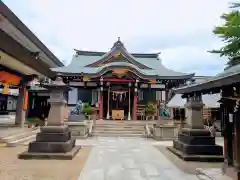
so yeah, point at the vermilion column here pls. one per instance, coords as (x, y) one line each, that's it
(134, 106)
(101, 106)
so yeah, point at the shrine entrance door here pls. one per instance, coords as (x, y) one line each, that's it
(117, 103)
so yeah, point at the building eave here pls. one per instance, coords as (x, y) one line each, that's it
(16, 50)
(206, 86)
(16, 22)
(98, 53)
(105, 69)
(185, 77)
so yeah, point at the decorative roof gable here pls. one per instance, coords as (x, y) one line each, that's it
(94, 64)
(118, 53)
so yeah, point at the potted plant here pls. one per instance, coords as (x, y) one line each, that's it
(87, 110)
(150, 110)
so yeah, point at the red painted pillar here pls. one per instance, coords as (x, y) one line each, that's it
(100, 117)
(134, 116)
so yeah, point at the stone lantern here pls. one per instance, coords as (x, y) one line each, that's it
(54, 140)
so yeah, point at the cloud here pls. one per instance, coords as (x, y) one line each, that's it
(176, 28)
(192, 59)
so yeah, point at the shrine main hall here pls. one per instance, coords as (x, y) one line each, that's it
(118, 82)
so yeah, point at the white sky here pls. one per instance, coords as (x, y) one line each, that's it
(180, 29)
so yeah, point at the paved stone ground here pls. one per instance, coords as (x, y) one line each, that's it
(131, 159)
(212, 174)
(12, 168)
(203, 170)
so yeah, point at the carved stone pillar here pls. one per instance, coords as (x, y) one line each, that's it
(54, 140)
(196, 143)
(194, 108)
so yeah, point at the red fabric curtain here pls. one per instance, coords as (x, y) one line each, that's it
(9, 78)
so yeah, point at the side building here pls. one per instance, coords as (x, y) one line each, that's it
(227, 84)
(22, 58)
(211, 110)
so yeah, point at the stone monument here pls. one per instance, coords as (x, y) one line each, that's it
(54, 140)
(195, 143)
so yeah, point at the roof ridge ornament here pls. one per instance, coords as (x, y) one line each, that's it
(118, 44)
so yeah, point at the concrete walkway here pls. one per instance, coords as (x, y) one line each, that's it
(130, 159)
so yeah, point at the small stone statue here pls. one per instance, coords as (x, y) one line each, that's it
(78, 108)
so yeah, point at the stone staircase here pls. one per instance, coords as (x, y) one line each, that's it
(118, 129)
(21, 138)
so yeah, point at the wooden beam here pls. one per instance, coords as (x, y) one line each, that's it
(16, 50)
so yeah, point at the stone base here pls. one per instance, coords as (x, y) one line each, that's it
(53, 137)
(59, 156)
(77, 118)
(197, 145)
(51, 147)
(199, 158)
(164, 132)
(52, 141)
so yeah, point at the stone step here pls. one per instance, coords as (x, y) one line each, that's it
(21, 136)
(116, 135)
(121, 128)
(120, 124)
(27, 141)
(23, 141)
(118, 132)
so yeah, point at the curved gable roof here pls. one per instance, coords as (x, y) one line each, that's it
(227, 77)
(118, 50)
(86, 61)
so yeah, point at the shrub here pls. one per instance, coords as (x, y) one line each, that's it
(87, 110)
(150, 109)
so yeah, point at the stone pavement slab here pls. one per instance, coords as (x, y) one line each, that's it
(131, 159)
(213, 174)
(12, 168)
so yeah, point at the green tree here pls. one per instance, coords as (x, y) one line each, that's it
(229, 32)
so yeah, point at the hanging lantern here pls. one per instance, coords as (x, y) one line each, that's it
(5, 89)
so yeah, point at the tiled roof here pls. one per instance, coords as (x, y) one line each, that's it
(79, 62)
(227, 77)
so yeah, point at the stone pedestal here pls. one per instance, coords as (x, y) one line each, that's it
(195, 143)
(54, 140)
(165, 132)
